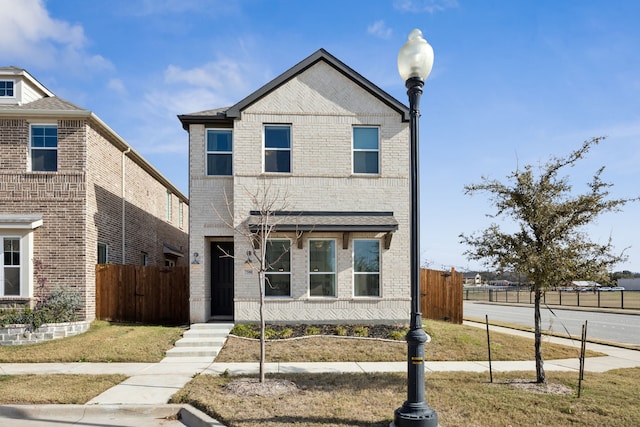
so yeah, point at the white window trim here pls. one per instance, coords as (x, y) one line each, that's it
(264, 148)
(15, 89)
(379, 272)
(335, 265)
(31, 148)
(21, 226)
(169, 206)
(289, 273)
(354, 150)
(106, 252)
(19, 266)
(207, 152)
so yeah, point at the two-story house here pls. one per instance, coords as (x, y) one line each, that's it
(332, 149)
(74, 194)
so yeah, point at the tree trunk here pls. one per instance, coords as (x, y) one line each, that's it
(540, 377)
(262, 327)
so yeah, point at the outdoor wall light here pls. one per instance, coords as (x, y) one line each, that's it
(415, 61)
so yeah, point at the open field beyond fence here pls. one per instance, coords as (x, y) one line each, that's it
(610, 299)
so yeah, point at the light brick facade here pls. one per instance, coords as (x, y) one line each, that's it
(321, 99)
(81, 203)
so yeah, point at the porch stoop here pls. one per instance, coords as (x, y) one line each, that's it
(201, 340)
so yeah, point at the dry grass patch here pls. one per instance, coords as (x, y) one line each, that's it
(54, 389)
(449, 342)
(460, 399)
(103, 342)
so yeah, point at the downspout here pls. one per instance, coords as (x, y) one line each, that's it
(123, 197)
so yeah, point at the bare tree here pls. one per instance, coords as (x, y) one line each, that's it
(256, 231)
(550, 245)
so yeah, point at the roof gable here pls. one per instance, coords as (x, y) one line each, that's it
(319, 55)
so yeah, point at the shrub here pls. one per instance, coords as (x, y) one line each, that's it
(286, 333)
(312, 330)
(361, 331)
(397, 335)
(341, 331)
(59, 307)
(246, 330)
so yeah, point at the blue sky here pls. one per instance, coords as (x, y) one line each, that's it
(513, 83)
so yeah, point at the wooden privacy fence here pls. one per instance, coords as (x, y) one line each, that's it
(144, 294)
(441, 295)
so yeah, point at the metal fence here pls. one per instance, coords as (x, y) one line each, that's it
(596, 299)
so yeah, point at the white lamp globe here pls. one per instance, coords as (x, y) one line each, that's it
(415, 58)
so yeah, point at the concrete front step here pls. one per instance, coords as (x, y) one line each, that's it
(201, 340)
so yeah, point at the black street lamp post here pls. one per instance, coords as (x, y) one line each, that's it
(414, 64)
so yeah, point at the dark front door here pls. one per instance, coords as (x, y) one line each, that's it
(222, 279)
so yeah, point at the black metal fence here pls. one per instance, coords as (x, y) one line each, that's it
(596, 299)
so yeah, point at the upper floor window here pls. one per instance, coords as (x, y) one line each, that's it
(44, 148)
(277, 148)
(219, 152)
(180, 214)
(366, 268)
(168, 208)
(6, 88)
(322, 268)
(10, 266)
(366, 150)
(277, 278)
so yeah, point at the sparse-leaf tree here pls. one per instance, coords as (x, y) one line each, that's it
(256, 231)
(550, 243)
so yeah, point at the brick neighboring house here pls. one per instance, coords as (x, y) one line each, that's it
(338, 146)
(73, 193)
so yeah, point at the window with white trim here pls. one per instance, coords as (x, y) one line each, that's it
(44, 148)
(219, 152)
(180, 214)
(322, 268)
(10, 273)
(168, 207)
(366, 150)
(277, 148)
(277, 278)
(6, 89)
(366, 268)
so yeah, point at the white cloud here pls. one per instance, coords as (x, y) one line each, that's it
(379, 29)
(428, 6)
(117, 86)
(28, 35)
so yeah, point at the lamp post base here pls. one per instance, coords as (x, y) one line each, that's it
(415, 415)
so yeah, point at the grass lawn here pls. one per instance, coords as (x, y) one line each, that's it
(449, 342)
(460, 399)
(103, 342)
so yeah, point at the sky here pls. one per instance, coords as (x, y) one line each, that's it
(513, 83)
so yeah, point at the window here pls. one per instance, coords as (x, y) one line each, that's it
(278, 275)
(219, 152)
(322, 268)
(144, 258)
(366, 268)
(168, 213)
(44, 148)
(103, 253)
(6, 88)
(277, 149)
(366, 148)
(169, 263)
(180, 214)
(10, 271)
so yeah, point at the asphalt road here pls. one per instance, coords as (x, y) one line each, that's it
(618, 328)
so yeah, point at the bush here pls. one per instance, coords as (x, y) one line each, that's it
(312, 330)
(59, 307)
(341, 331)
(361, 331)
(245, 330)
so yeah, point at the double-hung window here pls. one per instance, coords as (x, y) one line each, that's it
(277, 278)
(6, 88)
(103, 253)
(277, 148)
(44, 148)
(322, 268)
(10, 262)
(366, 268)
(219, 152)
(366, 150)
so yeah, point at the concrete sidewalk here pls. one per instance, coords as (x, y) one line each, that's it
(155, 383)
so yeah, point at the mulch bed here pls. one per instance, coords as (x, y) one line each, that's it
(279, 331)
